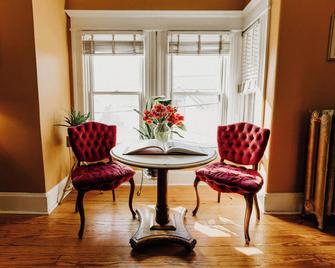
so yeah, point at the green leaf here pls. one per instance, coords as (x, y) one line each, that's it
(182, 127)
(137, 111)
(165, 102)
(176, 132)
(75, 118)
(141, 133)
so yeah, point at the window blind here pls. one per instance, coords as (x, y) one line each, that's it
(199, 43)
(113, 44)
(250, 58)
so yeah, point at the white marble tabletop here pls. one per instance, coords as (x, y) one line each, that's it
(163, 161)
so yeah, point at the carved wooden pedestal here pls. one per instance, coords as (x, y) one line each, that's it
(160, 223)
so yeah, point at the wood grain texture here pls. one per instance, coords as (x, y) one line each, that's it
(277, 241)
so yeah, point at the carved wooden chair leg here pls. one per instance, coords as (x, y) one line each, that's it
(219, 197)
(113, 195)
(195, 184)
(258, 213)
(131, 195)
(80, 206)
(76, 204)
(248, 211)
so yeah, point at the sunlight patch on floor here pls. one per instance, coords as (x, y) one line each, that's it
(213, 231)
(224, 229)
(227, 221)
(249, 251)
(222, 220)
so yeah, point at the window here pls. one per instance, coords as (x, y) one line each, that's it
(113, 66)
(250, 71)
(114, 78)
(198, 67)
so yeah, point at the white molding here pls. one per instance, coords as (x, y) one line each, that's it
(54, 194)
(31, 203)
(283, 203)
(23, 203)
(154, 20)
(254, 10)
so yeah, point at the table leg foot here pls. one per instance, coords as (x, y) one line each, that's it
(174, 231)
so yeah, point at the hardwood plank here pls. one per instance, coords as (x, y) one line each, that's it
(276, 241)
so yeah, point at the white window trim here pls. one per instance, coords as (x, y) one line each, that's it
(98, 20)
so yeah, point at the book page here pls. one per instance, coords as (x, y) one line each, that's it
(150, 146)
(175, 147)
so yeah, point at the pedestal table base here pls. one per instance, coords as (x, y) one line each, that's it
(174, 231)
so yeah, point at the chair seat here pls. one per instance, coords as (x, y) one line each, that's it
(101, 176)
(230, 179)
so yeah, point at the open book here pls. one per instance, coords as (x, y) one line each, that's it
(153, 146)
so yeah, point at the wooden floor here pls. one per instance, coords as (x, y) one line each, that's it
(276, 241)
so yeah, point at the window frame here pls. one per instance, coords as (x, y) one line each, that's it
(106, 21)
(221, 93)
(88, 77)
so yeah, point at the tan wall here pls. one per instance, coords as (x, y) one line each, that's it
(157, 5)
(304, 80)
(53, 85)
(271, 71)
(21, 165)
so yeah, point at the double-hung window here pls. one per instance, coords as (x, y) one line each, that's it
(114, 78)
(198, 66)
(198, 79)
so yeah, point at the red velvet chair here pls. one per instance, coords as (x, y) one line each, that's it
(243, 144)
(92, 142)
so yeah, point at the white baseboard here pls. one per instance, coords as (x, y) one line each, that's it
(54, 194)
(283, 203)
(31, 203)
(45, 203)
(175, 177)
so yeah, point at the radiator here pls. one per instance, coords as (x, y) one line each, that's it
(320, 166)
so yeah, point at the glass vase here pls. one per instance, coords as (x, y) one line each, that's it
(162, 132)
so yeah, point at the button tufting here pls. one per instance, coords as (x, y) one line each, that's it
(242, 143)
(92, 141)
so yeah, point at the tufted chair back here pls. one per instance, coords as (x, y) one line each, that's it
(92, 141)
(242, 143)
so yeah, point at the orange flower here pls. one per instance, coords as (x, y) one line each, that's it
(179, 117)
(170, 109)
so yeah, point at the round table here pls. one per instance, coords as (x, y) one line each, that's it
(161, 223)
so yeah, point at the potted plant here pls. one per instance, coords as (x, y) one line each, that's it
(74, 118)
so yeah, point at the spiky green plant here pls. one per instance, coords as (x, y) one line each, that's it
(75, 118)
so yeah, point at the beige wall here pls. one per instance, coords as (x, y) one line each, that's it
(53, 85)
(21, 165)
(304, 80)
(35, 94)
(272, 55)
(157, 5)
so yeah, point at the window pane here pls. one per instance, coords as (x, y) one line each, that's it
(201, 117)
(117, 73)
(196, 72)
(118, 110)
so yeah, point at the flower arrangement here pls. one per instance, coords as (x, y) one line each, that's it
(158, 115)
(163, 114)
